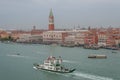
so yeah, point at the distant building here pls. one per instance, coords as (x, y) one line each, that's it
(102, 39)
(30, 38)
(36, 38)
(80, 37)
(4, 34)
(110, 41)
(116, 35)
(35, 31)
(54, 36)
(24, 38)
(70, 39)
(51, 21)
(90, 39)
(15, 34)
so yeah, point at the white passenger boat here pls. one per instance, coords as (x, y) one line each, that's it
(53, 64)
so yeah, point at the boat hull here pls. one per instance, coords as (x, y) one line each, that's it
(38, 68)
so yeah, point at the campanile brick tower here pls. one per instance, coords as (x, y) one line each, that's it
(51, 21)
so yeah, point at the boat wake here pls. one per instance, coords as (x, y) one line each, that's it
(20, 56)
(67, 61)
(35, 68)
(15, 55)
(79, 75)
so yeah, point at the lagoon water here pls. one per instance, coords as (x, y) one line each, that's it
(20, 67)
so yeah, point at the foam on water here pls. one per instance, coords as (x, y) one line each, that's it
(35, 68)
(20, 56)
(15, 55)
(67, 61)
(79, 75)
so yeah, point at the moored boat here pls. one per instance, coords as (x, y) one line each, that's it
(112, 48)
(54, 65)
(94, 47)
(67, 45)
(97, 56)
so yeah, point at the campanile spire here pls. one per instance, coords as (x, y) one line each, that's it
(51, 20)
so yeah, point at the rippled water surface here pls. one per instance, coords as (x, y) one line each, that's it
(20, 67)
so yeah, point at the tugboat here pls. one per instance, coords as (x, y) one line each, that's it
(54, 65)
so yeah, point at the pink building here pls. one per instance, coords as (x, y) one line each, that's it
(15, 34)
(90, 39)
(4, 34)
(102, 38)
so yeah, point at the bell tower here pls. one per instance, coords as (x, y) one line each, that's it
(51, 21)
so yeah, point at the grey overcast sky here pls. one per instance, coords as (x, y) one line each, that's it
(23, 14)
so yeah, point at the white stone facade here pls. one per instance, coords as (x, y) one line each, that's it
(23, 37)
(53, 36)
(29, 38)
(70, 39)
(79, 38)
(102, 38)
